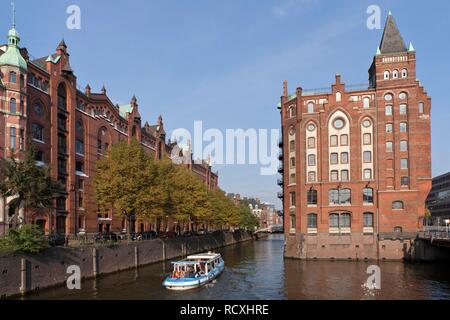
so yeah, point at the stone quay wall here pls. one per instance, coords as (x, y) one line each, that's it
(25, 273)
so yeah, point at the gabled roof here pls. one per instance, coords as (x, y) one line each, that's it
(392, 41)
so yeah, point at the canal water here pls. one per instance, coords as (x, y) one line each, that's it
(257, 271)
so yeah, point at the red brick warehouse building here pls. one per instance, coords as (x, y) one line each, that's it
(357, 161)
(71, 129)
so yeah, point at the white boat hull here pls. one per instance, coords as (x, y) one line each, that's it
(189, 284)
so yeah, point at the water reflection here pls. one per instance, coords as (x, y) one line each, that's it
(256, 270)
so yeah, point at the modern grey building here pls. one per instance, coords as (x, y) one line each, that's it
(438, 201)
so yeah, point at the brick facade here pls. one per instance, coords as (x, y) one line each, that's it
(71, 129)
(357, 161)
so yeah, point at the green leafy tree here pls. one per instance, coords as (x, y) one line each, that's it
(247, 219)
(28, 185)
(27, 239)
(123, 176)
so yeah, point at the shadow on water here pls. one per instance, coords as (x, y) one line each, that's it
(257, 270)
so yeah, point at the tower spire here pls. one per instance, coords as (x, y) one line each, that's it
(13, 5)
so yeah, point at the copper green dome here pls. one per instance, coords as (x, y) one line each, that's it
(12, 56)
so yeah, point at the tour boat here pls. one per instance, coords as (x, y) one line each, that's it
(195, 271)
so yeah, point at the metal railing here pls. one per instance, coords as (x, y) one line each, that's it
(436, 233)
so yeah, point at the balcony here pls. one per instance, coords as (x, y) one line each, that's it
(281, 156)
(280, 195)
(280, 182)
(280, 143)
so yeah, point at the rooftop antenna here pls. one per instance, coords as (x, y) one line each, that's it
(13, 5)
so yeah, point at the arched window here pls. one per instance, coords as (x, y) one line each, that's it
(312, 197)
(366, 103)
(398, 229)
(311, 160)
(368, 220)
(368, 195)
(292, 111)
(387, 75)
(13, 77)
(398, 205)
(334, 220)
(338, 97)
(345, 196)
(404, 73)
(62, 97)
(312, 221)
(311, 143)
(345, 220)
(13, 106)
(334, 197)
(102, 141)
(403, 96)
(395, 74)
(79, 128)
(311, 107)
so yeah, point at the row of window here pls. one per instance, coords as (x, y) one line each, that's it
(403, 110)
(38, 82)
(403, 74)
(341, 197)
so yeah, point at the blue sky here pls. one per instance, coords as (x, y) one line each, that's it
(223, 62)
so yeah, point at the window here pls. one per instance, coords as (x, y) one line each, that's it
(312, 176)
(403, 109)
(333, 141)
(334, 158)
(389, 128)
(13, 106)
(405, 181)
(79, 147)
(293, 223)
(311, 127)
(38, 132)
(345, 220)
(367, 123)
(389, 110)
(79, 128)
(292, 146)
(79, 166)
(367, 139)
(291, 131)
(292, 162)
(62, 97)
(39, 156)
(368, 195)
(80, 201)
(312, 221)
(344, 140)
(311, 160)
(421, 107)
(398, 230)
(389, 146)
(12, 138)
(403, 145)
(292, 112)
(398, 205)
(13, 77)
(367, 174)
(388, 97)
(404, 164)
(311, 143)
(292, 198)
(338, 97)
(62, 123)
(344, 158)
(367, 157)
(310, 107)
(341, 196)
(386, 75)
(395, 74)
(404, 73)
(368, 220)
(345, 196)
(366, 103)
(334, 175)
(312, 197)
(339, 124)
(403, 96)
(334, 220)
(38, 109)
(344, 175)
(292, 179)
(403, 127)
(80, 185)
